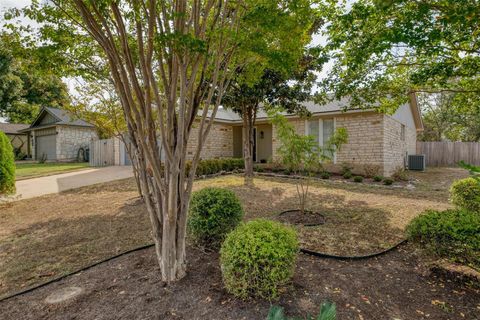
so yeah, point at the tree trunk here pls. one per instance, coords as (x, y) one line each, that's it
(248, 117)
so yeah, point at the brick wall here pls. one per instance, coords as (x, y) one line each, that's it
(219, 143)
(71, 138)
(396, 148)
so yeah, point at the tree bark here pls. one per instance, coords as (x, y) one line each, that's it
(249, 113)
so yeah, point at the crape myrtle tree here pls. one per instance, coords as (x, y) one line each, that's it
(382, 51)
(171, 62)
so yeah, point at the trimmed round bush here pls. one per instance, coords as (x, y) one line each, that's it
(452, 234)
(465, 193)
(325, 175)
(377, 178)
(358, 179)
(7, 165)
(258, 258)
(213, 213)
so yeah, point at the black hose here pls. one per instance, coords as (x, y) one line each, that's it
(74, 272)
(368, 256)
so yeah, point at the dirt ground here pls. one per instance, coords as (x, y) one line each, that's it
(45, 237)
(389, 287)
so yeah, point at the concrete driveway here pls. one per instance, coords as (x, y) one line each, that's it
(36, 187)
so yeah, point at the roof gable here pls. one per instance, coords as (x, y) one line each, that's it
(54, 116)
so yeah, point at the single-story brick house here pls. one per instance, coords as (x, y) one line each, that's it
(56, 135)
(20, 140)
(374, 138)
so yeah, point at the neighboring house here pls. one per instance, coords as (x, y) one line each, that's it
(374, 138)
(20, 140)
(57, 136)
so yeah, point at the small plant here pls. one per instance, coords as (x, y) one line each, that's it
(346, 168)
(387, 181)
(259, 169)
(400, 174)
(371, 170)
(347, 175)
(7, 165)
(452, 234)
(213, 213)
(358, 179)
(465, 193)
(325, 175)
(327, 312)
(473, 170)
(258, 258)
(377, 178)
(301, 153)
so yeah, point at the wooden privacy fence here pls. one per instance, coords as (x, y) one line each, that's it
(102, 153)
(446, 153)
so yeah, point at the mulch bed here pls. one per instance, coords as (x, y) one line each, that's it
(392, 286)
(296, 217)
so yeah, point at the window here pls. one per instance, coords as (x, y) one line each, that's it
(321, 129)
(402, 132)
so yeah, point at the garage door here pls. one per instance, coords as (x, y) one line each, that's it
(46, 145)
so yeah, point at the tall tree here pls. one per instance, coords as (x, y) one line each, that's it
(25, 86)
(171, 62)
(384, 50)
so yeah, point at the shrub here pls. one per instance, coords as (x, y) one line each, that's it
(453, 234)
(258, 169)
(327, 312)
(7, 166)
(465, 193)
(258, 258)
(400, 174)
(346, 168)
(358, 179)
(387, 181)
(213, 213)
(347, 175)
(377, 178)
(371, 170)
(325, 175)
(212, 166)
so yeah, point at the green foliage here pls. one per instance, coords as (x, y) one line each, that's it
(7, 165)
(258, 258)
(383, 50)
(213, 213)
(24, 85)
(388, 181)
(327, 312)
(259, 169)
(212, 166)
(465, 193)
(377, 178)
(347, 175)
(474, 170)
(325, 175)
(358, 179)
(346, 168)
(453, 234)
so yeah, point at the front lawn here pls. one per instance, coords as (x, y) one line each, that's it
(33, 170)
(45, 237)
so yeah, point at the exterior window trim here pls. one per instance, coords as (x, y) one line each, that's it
(320, 133)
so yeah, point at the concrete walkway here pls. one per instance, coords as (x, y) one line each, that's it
(36, 187)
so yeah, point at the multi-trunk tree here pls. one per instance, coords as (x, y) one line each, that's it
(170, 63)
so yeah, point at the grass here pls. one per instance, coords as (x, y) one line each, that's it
(33, 170)
(45, 237)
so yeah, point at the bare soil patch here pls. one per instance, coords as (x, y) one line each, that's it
(388, 287)
(296, 217)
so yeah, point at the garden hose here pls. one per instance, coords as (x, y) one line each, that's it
(22, 292)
